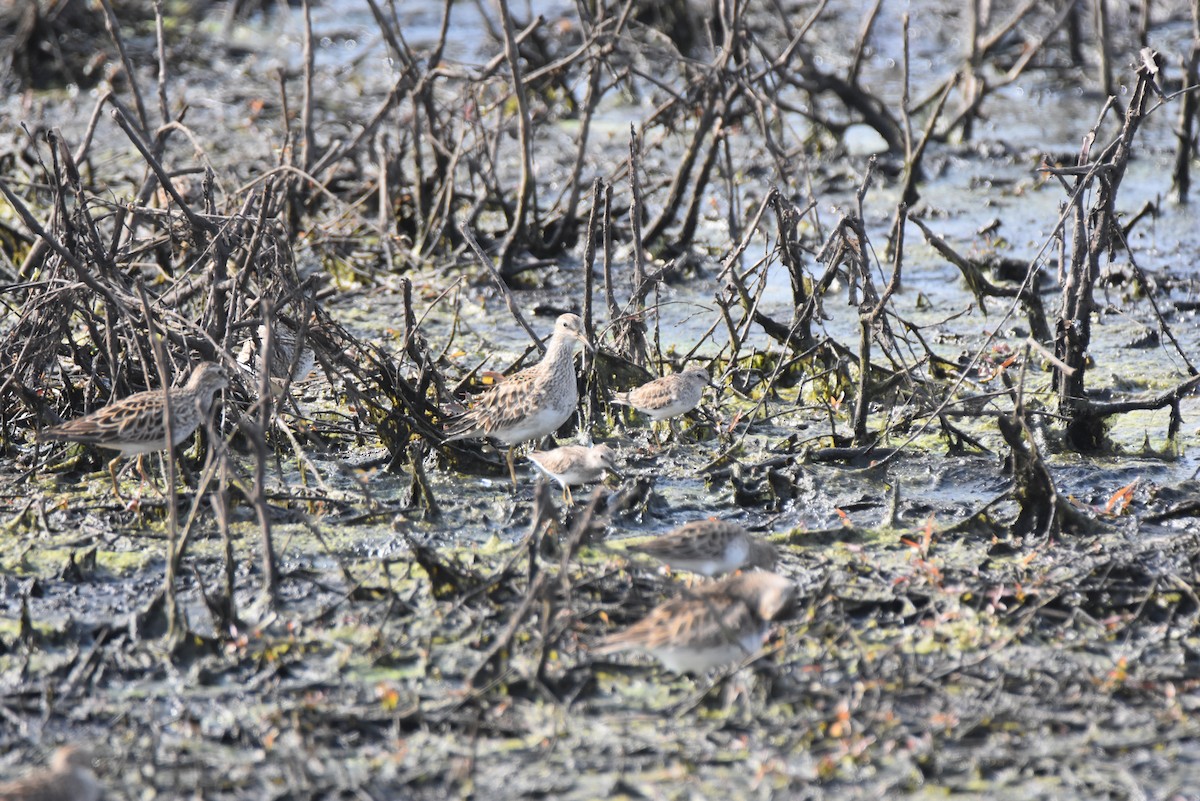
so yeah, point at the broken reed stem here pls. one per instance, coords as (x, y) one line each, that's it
(591, 407)
(629, 327)
(636, 207)
(421, 485)
(1100, 7)
(164, 109)
(526, 185)
(219, 499)
(1092, 234)
(173, 555)
(307, 147)
(1181, 181)
(258, 439)
(114, 32)
(606, 221)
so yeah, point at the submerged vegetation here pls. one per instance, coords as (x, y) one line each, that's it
(951, 370)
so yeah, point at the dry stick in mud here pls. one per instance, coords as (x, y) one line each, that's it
(628, 327)
(172, 555)
(868, 322)
(591, 396)
(307, 140)
(227, 616)
(1092, 234)
(610, 299)
(1043, 513)
(256, 432)
(787, 220)
(909, 195)
(420, 491)
(542, 516)
(1185, 130)
(527, 185)
(114, 32)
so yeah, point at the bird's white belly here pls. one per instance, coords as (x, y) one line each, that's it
(535, 425)
(672, 409)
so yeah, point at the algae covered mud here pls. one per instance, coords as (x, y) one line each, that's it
(937, 263)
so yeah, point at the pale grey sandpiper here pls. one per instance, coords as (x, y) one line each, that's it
(572, 465)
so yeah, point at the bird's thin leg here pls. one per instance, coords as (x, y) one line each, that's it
(568, 498)
(512, 470)
(654, 426)
(112, 471)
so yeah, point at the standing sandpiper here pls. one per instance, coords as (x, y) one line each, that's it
(669, 396)
(572, 465)
(714, 624)
(69, 778)
(532, 403)
(710, 547)
(137, 425)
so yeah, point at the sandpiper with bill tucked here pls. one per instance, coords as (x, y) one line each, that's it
(532, 403)
(137, 425)
(714, 624)
(710, 547)
(669, 396)
(572, 465)
(69, 778)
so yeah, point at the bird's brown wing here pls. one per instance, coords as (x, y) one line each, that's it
(501, 406)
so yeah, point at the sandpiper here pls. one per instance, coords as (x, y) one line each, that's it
(292, 360)
(715, 624)
(532, 403)
(69, 778)
(710, 547)
(669, 396)
(572, 465)
(136, 425)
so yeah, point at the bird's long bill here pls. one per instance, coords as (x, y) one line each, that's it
(582, 337)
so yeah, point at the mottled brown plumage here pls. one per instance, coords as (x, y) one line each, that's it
(532, 403)
(714, 624)
(68, 778)
(287, 365)
(136, 425)
(669, 396)
(710, 547)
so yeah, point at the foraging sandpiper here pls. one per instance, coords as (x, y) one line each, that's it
(572, 465)
(532, 403)
(667, 397)
(136, 425)
(714, 624)
(710, 547)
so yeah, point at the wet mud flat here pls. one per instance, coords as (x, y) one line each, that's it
(951, 351)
